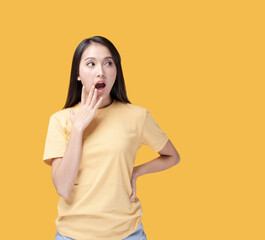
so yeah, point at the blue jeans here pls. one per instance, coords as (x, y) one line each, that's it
(139, 234)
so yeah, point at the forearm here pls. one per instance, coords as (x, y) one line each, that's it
(67, 170)
(158, 164)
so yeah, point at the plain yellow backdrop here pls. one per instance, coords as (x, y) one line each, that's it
(198, 66)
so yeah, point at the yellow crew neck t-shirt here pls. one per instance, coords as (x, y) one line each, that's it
(99, 208)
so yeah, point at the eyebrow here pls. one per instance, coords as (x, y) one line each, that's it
(95, 58)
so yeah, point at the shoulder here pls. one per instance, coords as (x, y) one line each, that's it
(132, 110)
(61, 115)
(61, 118)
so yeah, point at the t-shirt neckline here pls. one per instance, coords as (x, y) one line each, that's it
(100, 109)
(107, 107)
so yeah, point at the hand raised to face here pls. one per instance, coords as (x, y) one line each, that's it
(88, 107)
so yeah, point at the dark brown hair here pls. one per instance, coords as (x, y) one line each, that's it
(118, 90)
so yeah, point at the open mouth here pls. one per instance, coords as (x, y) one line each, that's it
(100, 85)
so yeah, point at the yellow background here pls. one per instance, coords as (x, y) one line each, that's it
(198, 66)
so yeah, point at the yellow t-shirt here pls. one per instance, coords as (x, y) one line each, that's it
(99, 207)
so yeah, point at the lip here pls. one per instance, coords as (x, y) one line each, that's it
(100, 81)
(102, 90)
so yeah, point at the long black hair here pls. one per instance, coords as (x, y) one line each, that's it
(118, 90)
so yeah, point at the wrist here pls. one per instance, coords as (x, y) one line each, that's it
(136, 173)
(77, 130)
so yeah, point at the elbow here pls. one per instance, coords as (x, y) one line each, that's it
(176, 159)
(63, 191)
(63, 194)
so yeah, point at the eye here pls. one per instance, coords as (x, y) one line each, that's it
(89, 64)
(109, 63)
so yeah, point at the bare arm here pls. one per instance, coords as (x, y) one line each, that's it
(168, 158)
(64, 170)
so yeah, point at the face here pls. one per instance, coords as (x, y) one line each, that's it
(97, 68)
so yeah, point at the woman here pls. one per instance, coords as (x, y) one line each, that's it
(91, 145)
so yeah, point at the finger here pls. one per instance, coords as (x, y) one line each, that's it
(98, 103)
(94, 98)
(133, 195)
(91, 92)
(83, 95)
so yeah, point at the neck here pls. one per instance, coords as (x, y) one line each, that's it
(106, 102)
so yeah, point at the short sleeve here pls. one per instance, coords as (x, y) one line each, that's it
(56, 141)
(152, 135)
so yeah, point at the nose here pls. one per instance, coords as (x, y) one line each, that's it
(100, 71)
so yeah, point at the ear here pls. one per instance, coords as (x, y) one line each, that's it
(78, 78)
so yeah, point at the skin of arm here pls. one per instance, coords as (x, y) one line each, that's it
(65, 169)
(167, 159)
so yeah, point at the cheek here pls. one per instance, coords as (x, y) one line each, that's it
(86, 73)
(86, 78)
(113, 74)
